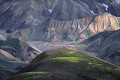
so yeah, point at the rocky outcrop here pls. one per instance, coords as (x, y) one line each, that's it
(7, 56)
(57, 20)
(72, 30)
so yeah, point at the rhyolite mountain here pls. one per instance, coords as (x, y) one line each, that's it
(67, 64)
(57, 20)
(14, 55)
(106, 44)
(13, 49)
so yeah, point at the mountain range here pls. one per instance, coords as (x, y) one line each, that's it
(59, 39)
(57, 20)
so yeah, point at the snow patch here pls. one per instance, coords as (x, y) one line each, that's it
(118, 1)
(106, 6)
(92, 12)
(50, 10)
(79, 27)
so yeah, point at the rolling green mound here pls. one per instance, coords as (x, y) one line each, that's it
(65, 64)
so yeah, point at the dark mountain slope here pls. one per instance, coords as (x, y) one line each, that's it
(107, 44)
(65, 64)
(14, 55)
(9, 68)
(18, 50)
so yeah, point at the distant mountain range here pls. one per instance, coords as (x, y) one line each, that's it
(57, 20)
(95, 22)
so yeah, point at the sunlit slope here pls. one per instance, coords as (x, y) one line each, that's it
(57, 20)
(65, 64)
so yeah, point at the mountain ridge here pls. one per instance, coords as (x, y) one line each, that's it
(36, 16)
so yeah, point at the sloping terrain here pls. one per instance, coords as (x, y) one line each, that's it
(18, 50)
(9, 68)
(66, 64)
(107, 44)
(14, 55)
(57, 20)
(7, 56)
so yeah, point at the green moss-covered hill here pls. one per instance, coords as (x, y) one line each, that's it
(65, 64)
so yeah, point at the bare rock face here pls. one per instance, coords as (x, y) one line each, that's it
(71, 30)
(2, 38)
(57, 20)
(7, 56)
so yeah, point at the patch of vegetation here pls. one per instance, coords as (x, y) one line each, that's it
(79, 64)
(33, 76)
(90, 63)
(64, 59)
(87, 34)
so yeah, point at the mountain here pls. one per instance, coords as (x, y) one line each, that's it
(106, 44)
(9, 68)
(15, 49)
(14, 55)
(67, 64)
(57, 20)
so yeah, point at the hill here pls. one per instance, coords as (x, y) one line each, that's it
(66, 64)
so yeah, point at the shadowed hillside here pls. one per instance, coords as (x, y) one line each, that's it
(14, 55)
(107, 44)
